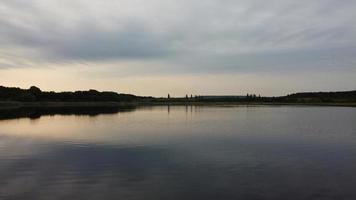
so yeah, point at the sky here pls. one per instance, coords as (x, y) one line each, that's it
(156, 47)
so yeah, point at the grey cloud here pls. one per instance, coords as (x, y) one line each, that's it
(132, 43)
(90, 43)
(194, 35)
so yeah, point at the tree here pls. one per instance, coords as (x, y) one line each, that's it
(35, 90)
(34, 94)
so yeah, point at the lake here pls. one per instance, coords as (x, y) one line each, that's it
(181, 152)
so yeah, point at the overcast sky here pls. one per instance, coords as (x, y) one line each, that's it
(155, 47)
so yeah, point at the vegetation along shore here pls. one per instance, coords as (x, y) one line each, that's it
(11, 97)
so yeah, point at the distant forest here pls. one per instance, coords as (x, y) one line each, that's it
(35, 94)
(327, 97)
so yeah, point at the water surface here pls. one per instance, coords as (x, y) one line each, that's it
(181, 152)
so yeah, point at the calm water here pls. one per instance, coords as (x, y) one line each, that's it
(182, 153)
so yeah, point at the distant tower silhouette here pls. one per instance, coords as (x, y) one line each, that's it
(168, 96)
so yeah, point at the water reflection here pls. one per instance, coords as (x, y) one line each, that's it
(37, 112)
(210, 153)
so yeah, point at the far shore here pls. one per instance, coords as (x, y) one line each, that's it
(15, 104)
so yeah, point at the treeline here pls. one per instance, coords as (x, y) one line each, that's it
(35, 94)
(306, 97)
(327, 97)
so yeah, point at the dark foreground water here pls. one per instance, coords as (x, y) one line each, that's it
(181, 153)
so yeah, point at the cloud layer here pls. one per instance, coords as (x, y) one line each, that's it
(185, 36)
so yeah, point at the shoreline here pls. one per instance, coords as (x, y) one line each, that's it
(34, 110)
(15, 104)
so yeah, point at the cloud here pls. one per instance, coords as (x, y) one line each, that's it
(182, 36)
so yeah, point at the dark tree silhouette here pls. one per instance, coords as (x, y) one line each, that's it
(35, 94)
